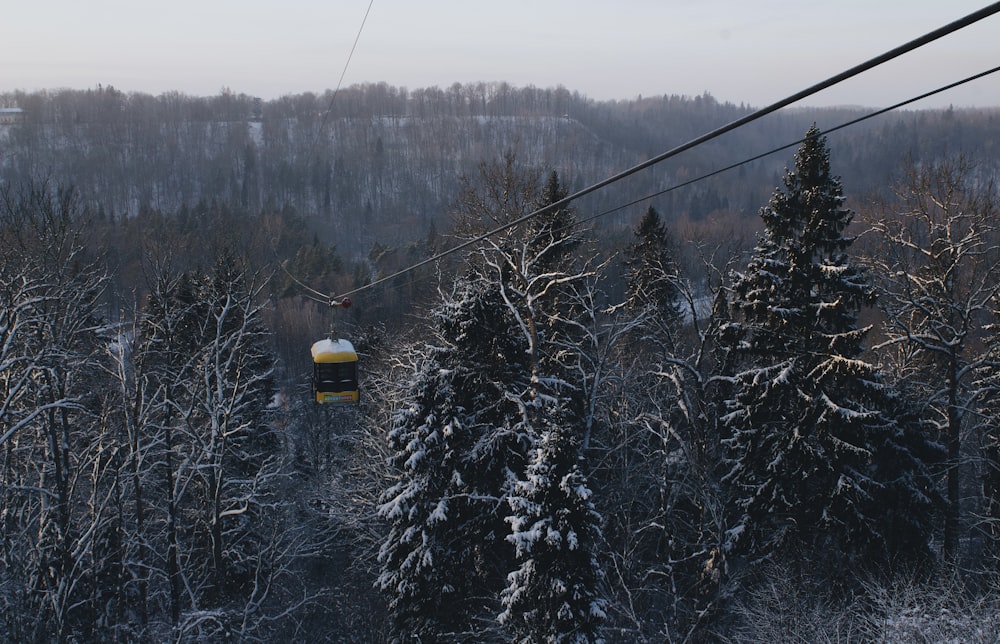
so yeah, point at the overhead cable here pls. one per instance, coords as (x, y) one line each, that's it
(321, 297)
(340, 81)
(760, 113)
(792, 144)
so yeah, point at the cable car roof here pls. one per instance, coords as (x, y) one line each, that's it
(333, 351)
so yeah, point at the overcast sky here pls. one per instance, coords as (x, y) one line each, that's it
(752, 51)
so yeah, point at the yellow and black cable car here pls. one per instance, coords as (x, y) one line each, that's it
(335, 372)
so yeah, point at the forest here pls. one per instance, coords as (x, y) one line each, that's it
(700, 406)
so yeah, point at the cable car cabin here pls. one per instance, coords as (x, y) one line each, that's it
(335, 372)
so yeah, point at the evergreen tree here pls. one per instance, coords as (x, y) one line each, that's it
(651, 273)
(458, 452)
(495, 382)
(552, 595)
(552, 235)
(824, 457)
(427, 558)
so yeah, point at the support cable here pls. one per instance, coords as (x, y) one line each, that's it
(786, 146)
(896, 52)
(340, 81)
(320, 297)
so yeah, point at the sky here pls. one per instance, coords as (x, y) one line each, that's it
(743, 51)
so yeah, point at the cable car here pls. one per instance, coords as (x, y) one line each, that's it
(335, 372)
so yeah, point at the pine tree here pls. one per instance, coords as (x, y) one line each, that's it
(819, 444)
(427, 559)
(494, 383)
(552, 595)
(651, 273)
(552, 235)
(458, 455)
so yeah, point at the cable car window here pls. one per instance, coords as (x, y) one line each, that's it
(336, 376)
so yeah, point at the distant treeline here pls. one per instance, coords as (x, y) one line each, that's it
(379, 164)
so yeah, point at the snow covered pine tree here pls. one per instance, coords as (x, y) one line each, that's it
(552, 596)
(824, 456)
(651, 276)
(477, 401)
(457, 452)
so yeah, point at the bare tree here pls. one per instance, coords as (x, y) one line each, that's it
(938, 255)
(54, 499)
(226, 547)
(666, 520)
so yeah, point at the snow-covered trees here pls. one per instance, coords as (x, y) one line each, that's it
(549, 291)
(138, 459)
(651, 278)
(825, 458)
(458, 450)
(497, 386)
(989, 391)
(557, 463)
(59, 552)
(938, 257)
(208, 372)
(658, 481)
(553, 595)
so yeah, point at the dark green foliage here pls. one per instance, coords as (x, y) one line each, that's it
(553, 594)
(552, 235)
(428, 560)
(493, 384)
(826, 459)
(458, 452)
(651, 272)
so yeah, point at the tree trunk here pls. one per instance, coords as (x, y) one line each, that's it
(173, 569)
(953, 510)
